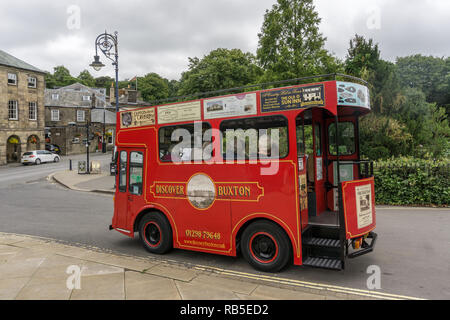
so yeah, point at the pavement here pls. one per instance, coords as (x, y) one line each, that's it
(102, 182)
(36, 268)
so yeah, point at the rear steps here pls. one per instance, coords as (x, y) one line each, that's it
(322, 242)
(325, 263)
(322, 247)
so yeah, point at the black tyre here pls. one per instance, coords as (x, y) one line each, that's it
(56, 159)
(155, 233)
(266, 246)
(38, 162)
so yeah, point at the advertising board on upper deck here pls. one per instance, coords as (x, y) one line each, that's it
(321, 95)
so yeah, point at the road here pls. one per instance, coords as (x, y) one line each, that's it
(412, 250)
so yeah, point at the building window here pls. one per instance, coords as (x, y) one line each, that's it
(12, 110)
(12, 79)
(55, 96)
(32, 111)
(86, 98)
(80, 115)
(32, 82)
(55, 115)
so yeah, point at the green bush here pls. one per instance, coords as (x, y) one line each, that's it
(409, 181)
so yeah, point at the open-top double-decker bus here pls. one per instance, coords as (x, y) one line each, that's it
(274, 174)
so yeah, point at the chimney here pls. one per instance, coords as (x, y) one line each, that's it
(132, 96)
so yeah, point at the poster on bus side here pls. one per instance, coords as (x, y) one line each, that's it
(189, 111)
(231, 106)
(364, 205)
(293, 98)
(137, 118)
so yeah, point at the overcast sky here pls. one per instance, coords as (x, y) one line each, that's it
(159, 35)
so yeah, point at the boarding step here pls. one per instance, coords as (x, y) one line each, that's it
(324, 263)
(323, 242)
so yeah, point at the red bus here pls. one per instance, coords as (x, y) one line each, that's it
(275, 175)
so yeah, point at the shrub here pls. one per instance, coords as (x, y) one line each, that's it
(410, 181)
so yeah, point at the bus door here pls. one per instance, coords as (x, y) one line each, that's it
(311, 160)
(347, 152)
(129, 184)
(303, 161)
(318, 165)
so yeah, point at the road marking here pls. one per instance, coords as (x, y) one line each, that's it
(310, 285)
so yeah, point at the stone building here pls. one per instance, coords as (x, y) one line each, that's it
(21, 108)
(67, 110)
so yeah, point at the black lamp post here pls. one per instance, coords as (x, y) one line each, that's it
(106, 43)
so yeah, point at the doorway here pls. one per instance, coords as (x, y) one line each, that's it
(13, 149)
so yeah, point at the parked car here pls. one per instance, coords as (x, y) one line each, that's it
(39, 156)
(53, 148)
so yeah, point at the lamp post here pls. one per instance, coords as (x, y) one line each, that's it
(108, 45)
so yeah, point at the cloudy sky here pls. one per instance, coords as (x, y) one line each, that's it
(160, 35)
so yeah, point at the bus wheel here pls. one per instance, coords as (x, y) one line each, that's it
(155, 233)
(265, 246)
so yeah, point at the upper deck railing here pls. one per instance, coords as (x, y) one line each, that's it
(261, 86)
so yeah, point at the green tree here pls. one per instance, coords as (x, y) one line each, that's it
(220, 69)
(383, 137)
(363, 57)
(290, 44)
(429, 74)
(63, 77)
(86, 78)
(153, 87)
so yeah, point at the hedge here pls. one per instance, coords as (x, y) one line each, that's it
(409, 181)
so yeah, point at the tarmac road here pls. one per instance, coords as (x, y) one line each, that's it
(412, 250)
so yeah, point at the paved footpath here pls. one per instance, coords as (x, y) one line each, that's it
(34, 268)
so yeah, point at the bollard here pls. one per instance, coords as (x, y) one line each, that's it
(70, 164)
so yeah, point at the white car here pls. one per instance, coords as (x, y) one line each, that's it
(39, 156)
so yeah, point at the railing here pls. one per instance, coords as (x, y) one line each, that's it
(262, 86)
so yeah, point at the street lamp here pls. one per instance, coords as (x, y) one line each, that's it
(97, 65)
(106, 43)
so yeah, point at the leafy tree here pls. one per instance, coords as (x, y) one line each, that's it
(428, 74)
(153, 87)
(174, 86)
(363, 57)
(61, 77)
(220, 69)
(438, 143)
(86, 78)
(290, 44)
(383, 137)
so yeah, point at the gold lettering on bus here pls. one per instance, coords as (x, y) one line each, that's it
(234, 191)
(170, 189)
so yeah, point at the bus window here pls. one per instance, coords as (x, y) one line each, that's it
(187, 152)
(123, 171)
(347, 142)
(253, 138)
(136, 173)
